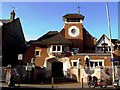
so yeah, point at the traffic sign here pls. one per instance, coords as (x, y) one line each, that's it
(20, 56)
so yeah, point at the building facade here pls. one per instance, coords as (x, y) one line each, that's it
(64, 53)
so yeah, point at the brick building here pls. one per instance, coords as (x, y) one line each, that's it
(61, 53)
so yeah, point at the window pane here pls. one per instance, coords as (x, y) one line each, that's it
(74, 64)
(58, 48)
(100, 63)
(54, 48)
(96, 64)
(36, 53)
(91, 64)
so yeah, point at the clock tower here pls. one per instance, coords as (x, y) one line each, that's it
(73, 30)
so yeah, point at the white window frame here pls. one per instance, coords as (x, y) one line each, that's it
(51, 48)
(72, 61)
(38, 54)
(98, 62)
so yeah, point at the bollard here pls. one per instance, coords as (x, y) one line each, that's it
(82, 82)
(52, 82)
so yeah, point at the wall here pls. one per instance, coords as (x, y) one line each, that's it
(30, 52)
(78, 40)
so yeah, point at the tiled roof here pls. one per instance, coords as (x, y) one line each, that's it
(74, 16)
(53, 38)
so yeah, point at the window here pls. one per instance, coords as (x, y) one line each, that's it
(37, 53)
(56, 48)
(95, 63)
(91, 64)
(100, 63)
(75, 63)
(73, 20)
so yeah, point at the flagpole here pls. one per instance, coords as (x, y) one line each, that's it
(110, 36)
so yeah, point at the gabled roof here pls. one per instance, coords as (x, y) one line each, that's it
(53, 38)
(102, 37)
(14, 29)
(73, 15)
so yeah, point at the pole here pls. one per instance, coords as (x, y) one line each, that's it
(52, 82)
(19, 74)
(79, 70)
(82, 82)
(110, 35)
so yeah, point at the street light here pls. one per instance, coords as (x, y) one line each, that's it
(110, 35)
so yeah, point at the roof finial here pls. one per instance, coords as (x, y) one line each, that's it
(78, 9)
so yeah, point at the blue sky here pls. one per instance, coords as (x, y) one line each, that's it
(38, 18)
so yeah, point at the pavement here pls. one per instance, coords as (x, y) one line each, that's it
(60, 86)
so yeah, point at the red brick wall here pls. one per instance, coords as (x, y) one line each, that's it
(77, 41)
(29, 54)
(106, 59)
(39, 61)
(88, 42)
(117, 54)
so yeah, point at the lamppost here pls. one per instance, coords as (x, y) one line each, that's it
(110, 35)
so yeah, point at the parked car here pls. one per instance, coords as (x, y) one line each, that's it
(116, 83)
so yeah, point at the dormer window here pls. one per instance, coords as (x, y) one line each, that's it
(56, 48)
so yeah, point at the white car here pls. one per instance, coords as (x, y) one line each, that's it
(116, 83)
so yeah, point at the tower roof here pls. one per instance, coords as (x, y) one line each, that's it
(73, 15)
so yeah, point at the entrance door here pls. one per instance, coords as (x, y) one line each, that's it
(57, 69)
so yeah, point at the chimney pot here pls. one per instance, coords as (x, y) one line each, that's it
(12, 17)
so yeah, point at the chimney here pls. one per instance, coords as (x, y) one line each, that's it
(12, 16)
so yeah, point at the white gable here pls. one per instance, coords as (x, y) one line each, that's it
(104, 40)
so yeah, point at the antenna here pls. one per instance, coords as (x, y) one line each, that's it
(78, 8)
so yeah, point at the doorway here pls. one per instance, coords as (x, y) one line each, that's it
(57, 69)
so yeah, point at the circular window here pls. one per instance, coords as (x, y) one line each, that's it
(73, 31)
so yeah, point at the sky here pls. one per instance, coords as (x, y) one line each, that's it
(37, 18)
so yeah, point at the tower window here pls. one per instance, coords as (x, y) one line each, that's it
(73, 20)
(73, 31)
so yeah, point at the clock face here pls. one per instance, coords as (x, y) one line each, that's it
(73, 31)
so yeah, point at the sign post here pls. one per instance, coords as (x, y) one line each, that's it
(20, 58)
